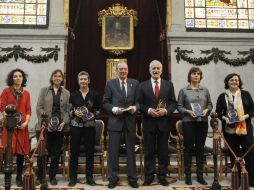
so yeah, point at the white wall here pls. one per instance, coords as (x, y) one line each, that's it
(38, 73)
(213, 74)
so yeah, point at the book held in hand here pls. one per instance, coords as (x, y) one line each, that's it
(196, 108)
(233, 116)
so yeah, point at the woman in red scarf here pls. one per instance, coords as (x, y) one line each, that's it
(15, 94)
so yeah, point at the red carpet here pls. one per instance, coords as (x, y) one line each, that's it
(198, 188)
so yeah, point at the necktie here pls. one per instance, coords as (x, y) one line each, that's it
(156, 89)
(123, 89)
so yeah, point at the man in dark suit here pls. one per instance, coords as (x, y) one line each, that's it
(157, 101)
(120, 102)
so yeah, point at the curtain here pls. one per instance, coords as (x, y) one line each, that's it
(85, 52)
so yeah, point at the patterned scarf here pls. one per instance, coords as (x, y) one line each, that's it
(238, 106)
(17, 94)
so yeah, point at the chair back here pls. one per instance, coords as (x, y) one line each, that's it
(179, 129)
(99, 134)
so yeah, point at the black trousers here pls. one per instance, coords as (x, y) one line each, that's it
(194, 137)
(245, 141)
(54, 144)
(156, 143)
(82, 136)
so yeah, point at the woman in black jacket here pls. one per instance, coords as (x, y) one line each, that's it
(85, 105)
(235, 108)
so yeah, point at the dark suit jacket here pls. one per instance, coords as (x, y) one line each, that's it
(147, 99)
(113, 97)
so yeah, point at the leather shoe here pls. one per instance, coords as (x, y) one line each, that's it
(53, 181)
(251, 183)
(112, 185)
(188, 181)
(147, 182)
(163, 182)
(19, 182)
(38, 181)
(90, 181)
(201, 180)
(133, 184)
(72, 182)
(113, 182)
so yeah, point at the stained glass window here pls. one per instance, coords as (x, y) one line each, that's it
(219, 14)
(32, 13)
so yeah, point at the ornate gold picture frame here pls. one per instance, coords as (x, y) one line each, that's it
(117, 28)
(111, 67)
(117, 33)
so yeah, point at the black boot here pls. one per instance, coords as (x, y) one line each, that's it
(187, 165)
(188, 180)
(19, 181)
(200, 161)
(20, 161)
(200, 179)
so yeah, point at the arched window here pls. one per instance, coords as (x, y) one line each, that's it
(219, 15)
(24, 13)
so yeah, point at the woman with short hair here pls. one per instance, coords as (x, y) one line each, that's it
(53, 101)
(194, 104)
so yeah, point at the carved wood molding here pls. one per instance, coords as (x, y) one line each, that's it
(17, 52)
(215, 54)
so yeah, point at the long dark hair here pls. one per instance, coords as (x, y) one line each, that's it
(9, 79)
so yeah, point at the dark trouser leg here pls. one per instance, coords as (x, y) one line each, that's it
(188, 143)
(20, 163)
(130, 139)
(54, 146)
(113, 154)
(200, 134)
(149, 151)
(234, 143)
(89, 140)
(247, 141)
(162, 150)
(74, 146)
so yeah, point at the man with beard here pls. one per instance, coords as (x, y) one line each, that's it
(157, 101)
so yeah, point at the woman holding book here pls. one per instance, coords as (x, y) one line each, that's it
(194, 104)
(235, 108)
(84, 108)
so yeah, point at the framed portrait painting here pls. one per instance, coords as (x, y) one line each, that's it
(117, 32)
(117, 24)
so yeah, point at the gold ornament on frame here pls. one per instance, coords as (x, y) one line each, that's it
(117, 24)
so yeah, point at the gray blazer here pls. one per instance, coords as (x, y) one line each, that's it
(45, 102)
(113, 97)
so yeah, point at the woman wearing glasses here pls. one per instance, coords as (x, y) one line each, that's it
(235, 108)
